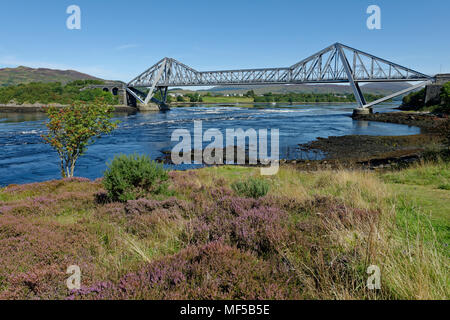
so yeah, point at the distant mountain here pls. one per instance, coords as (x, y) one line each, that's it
(14, 76)
(383, 88)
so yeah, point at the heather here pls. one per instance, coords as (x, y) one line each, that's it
(308, 235)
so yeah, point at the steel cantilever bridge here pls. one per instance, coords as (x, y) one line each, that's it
(337, 63)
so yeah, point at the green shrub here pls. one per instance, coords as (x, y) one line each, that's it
(445, 94)
(251, 188)
(444, 186)
(415, 99)
(134, 176)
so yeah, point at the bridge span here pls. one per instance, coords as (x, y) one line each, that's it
(337, 63)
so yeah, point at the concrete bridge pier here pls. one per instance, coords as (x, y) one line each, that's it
(359, 111)
(150, 102)
(164, 107)
(433, 91)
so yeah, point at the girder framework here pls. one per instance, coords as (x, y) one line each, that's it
(337, 63)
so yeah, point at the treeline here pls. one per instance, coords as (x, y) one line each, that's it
(312, 97)
(55, 92)
(195, 97)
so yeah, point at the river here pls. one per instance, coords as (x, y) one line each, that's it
(25, 158)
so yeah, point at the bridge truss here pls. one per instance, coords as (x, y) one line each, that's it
(337, 63)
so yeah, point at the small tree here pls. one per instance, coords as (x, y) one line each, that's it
(250, 94)
(72, 129)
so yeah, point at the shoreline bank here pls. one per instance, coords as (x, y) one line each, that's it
(175, 104)
(33, 108)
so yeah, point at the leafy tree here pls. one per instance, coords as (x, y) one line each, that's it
(180, 99)
(415, 99)
(72, 129)
(445, 94)
(195, 97)
(250, 93)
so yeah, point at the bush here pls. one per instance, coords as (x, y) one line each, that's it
(415, 99)
(133, 176)
(251, 188)
(445, 94)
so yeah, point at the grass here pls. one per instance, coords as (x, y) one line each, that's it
(422, 200)
(433, 175)
(322, 231)
(207, 99)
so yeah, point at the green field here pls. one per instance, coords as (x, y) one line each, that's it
(222, 99)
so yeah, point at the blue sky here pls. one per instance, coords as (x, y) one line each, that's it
(120, 39)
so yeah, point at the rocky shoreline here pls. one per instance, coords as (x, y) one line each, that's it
(378, 152)
(427, 122)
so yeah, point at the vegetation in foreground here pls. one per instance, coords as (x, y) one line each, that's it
(312, 235)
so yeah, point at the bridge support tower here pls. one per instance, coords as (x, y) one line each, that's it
(163, 96)
(148, 101)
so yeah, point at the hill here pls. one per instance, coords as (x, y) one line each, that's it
(21, 74)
